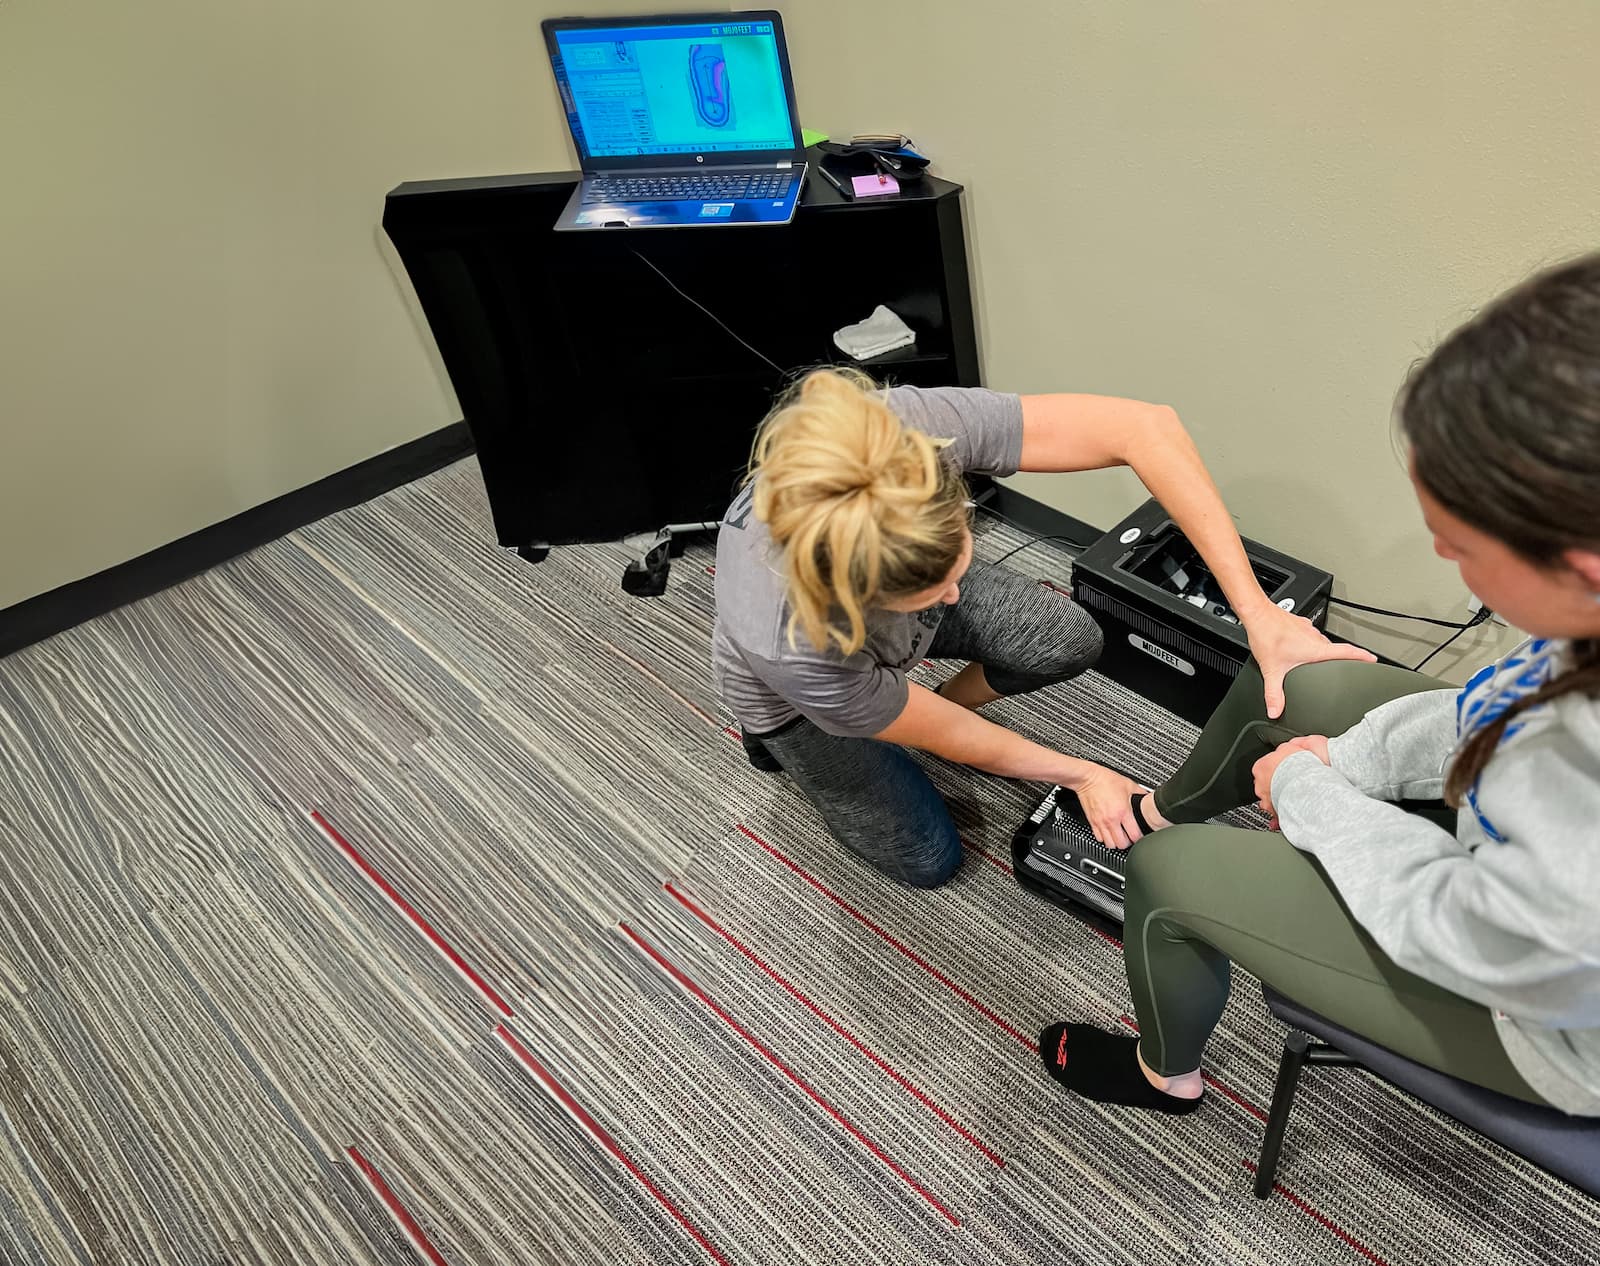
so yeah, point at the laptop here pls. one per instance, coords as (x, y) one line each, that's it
(686, 119)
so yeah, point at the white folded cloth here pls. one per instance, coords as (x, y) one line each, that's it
(879, 333)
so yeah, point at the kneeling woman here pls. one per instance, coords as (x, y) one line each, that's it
(1463, 934)
(847, 559)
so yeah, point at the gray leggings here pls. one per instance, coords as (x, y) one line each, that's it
(874, 797)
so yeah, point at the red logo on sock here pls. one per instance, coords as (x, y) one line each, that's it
(1061, 1050)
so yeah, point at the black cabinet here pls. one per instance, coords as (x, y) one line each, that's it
(603, 401)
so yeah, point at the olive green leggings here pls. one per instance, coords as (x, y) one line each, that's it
(1200, 894)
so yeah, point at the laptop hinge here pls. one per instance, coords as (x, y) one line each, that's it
(786, 164)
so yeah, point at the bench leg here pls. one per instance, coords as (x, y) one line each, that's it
(1295, 1045)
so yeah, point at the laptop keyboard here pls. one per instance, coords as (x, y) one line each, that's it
(694, 187)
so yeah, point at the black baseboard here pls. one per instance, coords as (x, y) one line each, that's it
(60, 609)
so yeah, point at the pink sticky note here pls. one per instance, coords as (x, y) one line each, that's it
(875, 186)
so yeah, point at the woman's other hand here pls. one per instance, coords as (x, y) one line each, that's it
(1280, 641)
(1267, 767)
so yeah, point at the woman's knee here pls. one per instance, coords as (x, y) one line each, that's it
(931, 860)
(883, 808)
(1070, 646)
(1083, 644)
(934, 874)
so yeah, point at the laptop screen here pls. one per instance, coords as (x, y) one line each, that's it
(708, 88)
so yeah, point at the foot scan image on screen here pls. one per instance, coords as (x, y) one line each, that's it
(662, 88)
(708, 85)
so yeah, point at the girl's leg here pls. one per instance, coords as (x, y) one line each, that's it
(876, 801)
(1325, 698)
(1200, 895)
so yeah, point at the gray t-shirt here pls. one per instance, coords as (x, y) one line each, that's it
(765, 681)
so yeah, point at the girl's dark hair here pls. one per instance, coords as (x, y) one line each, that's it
(1503, 421)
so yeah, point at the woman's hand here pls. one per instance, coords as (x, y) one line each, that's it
(1280, 641)
(1107, 798)
(1267, 766)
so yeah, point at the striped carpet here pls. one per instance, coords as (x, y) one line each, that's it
(379, 898)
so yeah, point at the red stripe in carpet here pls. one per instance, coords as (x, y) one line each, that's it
(402, 1216)
(405, 907)
(900, 946)
(662, 962)
(988, 857)
(597, 1132)
(689, 904)
(1324, 1219)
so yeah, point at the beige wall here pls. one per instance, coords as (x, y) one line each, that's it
(1255, 211)
(198, 311)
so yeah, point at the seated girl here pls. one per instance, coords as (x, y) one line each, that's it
(1463, 933)
(847, 559)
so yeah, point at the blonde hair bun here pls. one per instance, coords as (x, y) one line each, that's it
(840, 478)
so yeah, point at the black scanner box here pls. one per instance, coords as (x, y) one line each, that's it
(1170, 634)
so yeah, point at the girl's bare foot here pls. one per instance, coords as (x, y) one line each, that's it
(1147, 807)
(1183, 1086)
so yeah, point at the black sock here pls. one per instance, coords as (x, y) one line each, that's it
(1137, 815)
(1104, 1067)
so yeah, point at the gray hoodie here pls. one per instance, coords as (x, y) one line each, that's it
(1505, 912)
